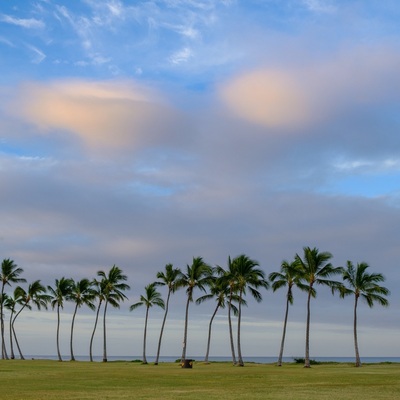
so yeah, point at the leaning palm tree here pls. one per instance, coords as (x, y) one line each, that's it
(366, 286)
(112, 286)
(58, 294)
(168, 278)
(247, 276)
(36, 295)
(81, 294)
(197, 276)
(150, 299)
(315, 270)
(220, 291)
(9, 273)
(98, 288)
(11, 302)
(288, 276)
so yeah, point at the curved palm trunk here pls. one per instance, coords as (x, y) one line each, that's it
(94, 330)
(358, 360)
(185, 332)
(15, 335)
(3, 343)
(240, 359)
(58, 333)
(283, 333)
(72, 333)
(12, 356)
(209, 333)
(162, 328)
(307, 357)
(145, 336)
(230, 329)
(104, 334)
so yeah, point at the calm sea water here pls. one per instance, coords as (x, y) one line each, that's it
(259, 360)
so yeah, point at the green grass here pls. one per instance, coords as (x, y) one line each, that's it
(44, 379)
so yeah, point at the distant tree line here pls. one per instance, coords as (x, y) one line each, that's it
(228, 286)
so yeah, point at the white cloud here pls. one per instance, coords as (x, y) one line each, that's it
(29, 23)
(181, 56)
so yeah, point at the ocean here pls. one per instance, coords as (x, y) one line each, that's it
(259, 360)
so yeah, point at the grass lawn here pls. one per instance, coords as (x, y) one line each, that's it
(44, 379)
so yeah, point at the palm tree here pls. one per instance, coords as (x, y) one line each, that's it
(9, 273)
(99, 293)
(82, 293)
(288, 276)
(247, 275)
(229, 277)
(10, 302)
(35, 294)
(168, 278)
(197, 276)
(220, 290)
(112, 287)
(60, 292)
(315, 270)
(363, 285)
(150, 299)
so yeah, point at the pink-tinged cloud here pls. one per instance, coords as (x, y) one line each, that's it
(297, 97)
(103, 115)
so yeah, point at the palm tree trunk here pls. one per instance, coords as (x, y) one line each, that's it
(72, 333)
(358, 360)
(58, 333)
(283, 333)
(162, 328)
(240, 359)
(104, 334)
(230, 329)
(209, 333)
(307, 357)
(12, 356)
(145, 336)
(94, 330)
(3, 343)
(13, 330)
(185, 332)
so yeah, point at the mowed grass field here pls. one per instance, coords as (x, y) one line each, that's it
(45, 379)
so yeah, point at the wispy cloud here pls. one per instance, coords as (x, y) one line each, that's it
(181, 56)
(39, 56)
(29, 23)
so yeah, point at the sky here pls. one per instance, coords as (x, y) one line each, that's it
(141, 133)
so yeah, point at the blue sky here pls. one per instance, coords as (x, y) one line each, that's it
(141, 133)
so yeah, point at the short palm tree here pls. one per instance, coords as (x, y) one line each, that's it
(168, 278)
(220, 291)
(247, 276)
(197, 276)
(98, 288)
(112, 286)
(11, 302)
(288, 276)
(315, 270)
(150, 299)
(58, 294)
(9, 273)
(36, 295)
(366, 286)
(82, 293)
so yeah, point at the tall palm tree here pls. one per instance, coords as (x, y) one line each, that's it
(112, 286)
(247, 276)
(366, 286)
(9, 273)
(168, 278)
(228, 276)
(98, 288)
(315, 270)
(36, 295)
(221, 292)
(82, 293)
(150, 299)
(11, 302)
(197, 276)
(58, 294)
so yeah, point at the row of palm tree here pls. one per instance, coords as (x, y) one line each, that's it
(227, 286)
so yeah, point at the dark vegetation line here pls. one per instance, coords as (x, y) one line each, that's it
(227, 286)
